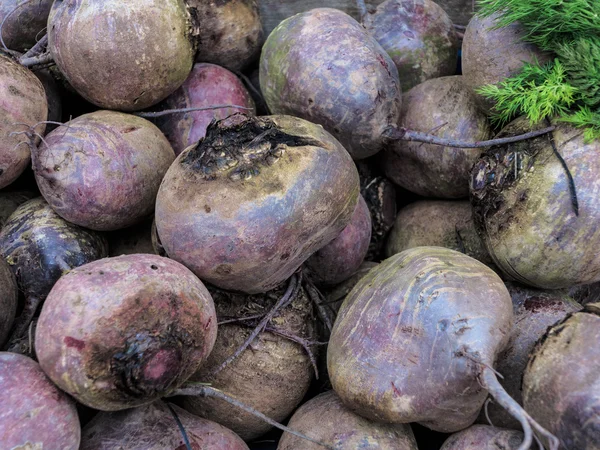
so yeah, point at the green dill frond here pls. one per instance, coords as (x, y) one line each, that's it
(581, 60)
(547, 22)
(536, 92)
(585, 118)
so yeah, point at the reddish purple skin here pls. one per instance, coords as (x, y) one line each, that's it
(25, 26)
(122, 332)
(102, 170)
(484, 437)
(207, 85)
(339, 259)
(34, 411)
(152, 427)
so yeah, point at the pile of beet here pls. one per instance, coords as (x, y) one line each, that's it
(253, 224)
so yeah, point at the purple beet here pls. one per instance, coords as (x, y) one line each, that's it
(24, 22)
(484, 437)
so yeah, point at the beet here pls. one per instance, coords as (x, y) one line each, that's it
(484, 437)
(561, 386)
(445, 108)
(8, 300)
(272, 375)
(10, 200)
(490, 55)
(24, 105)
(323, 66)
(419, 37)
(525, 212)
(40, 247)
(535, 311)
(339, 259)
(251, 202)
(125, 55)
(24, 22)
(416, 338)
(207, 85)
(102, 170)
(326, 419)
(229, 33)
(132, 240)
(35, 414)
(439, 223)
(153, 427)
(125, 331)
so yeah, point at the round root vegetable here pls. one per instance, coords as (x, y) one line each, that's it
(538, 226)
(484, 437)
(102, 170)
(416, 339)
(437, 223)
(323, 66)
(490, 55)
(24, 106)
(35, 414)
(273, 374)
(153, 427)
(125, 331)
(23, 22)
(122, 54)
(535, 311)
(229, 33)
(8, 300)
(446, 108)
(561, 385)
(207, 85)
(327, 419)
(132, 240)
(419, 37)
(40, 247)
(10, 200)
(339, 259)
(251, 202)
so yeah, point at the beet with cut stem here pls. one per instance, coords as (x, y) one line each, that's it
(416, 339)
(541, 229)
(272, 375)
(8, 300)
(125, 331)
(339, 259)
(24, 105)
(419, 37)
(323, 66)
(35, 414)
(207, 85)
(446, 108)
(153, 427)
(484, 437)
(122, 54)
(326, 419)
(24, 22)
(251, 202)
(102, 170)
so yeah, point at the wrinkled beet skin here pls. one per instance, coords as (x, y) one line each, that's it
(23, 101)
(528, 224)
(102, 170)
(8, 300)
(561, 386)
(395, 349)
(324, 67)
(251, 234)
(535, 311)
(326, 419)
(228, 33)
(26, 24)
(484, 437)
(339, 259)
(272, 376)
(40, 247)
(419, 37)
(122, 332)
(207, 85)
(152, 427)
(122, 54)
(445, 108)
(35, 414)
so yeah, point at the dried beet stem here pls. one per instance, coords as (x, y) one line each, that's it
(184, 435)
(44, 58)
(201, 390)
(37, 49)
(152, 114)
